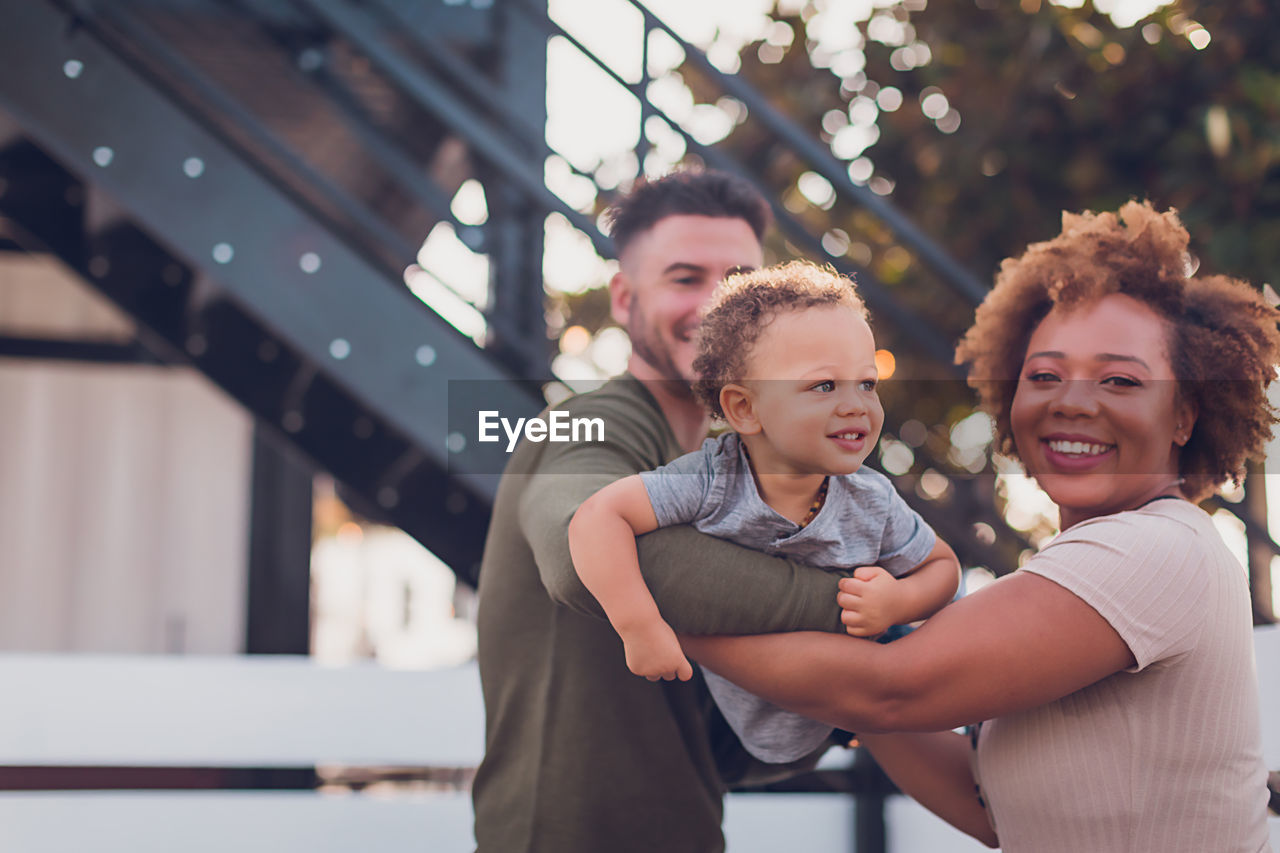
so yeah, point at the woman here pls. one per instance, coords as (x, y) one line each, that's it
(1115, 670)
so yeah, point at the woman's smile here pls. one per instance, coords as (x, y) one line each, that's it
(1075, 452)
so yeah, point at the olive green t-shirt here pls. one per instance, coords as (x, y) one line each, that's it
(581, 755)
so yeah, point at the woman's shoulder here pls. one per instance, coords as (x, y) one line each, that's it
(1148, 571)
(1174, 522)
(1171, 537)
(1121, 554)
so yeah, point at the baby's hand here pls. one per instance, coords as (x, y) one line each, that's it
(869, 600)
(654, 652)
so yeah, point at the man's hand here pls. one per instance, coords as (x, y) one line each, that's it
(654, 652)
(870, 601)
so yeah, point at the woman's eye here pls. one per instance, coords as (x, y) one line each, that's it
(825, 387)
(1041, 376)
(1122, 381)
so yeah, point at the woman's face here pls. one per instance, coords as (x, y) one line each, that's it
(1096, 415)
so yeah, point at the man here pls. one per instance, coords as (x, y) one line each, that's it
(582, 756)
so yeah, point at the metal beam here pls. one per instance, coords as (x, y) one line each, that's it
(487, 140)
(53, 349)
(226, 270)
(876, 295)
(825, 164)
(517, 310)
(279, 610)
(364, 332)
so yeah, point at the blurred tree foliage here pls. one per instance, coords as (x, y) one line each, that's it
(1036, 108)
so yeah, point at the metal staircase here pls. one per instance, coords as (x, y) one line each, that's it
(244, 183)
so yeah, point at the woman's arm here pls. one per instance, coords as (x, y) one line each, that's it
(933, 769)
(1017, 643)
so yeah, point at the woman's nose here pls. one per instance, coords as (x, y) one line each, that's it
(1075, 397)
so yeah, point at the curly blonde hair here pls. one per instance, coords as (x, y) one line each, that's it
(1218, 329)
(744, 306)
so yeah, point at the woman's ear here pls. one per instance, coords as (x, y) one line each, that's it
(1184, 422)
(1185, 413)
(739, 409)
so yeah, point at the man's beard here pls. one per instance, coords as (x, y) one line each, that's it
(648, 345)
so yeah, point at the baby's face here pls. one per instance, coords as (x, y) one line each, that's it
(812, 377)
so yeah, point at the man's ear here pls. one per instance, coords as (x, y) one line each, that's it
(739, 409)
(620, 298)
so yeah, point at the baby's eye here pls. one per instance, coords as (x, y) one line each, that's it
(867, 385)
(826, 386)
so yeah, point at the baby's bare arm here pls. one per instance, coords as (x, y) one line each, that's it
(603, 546)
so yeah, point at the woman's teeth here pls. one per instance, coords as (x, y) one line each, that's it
(1078, 448)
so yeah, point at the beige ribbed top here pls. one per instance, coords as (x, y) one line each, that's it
(1165, 756)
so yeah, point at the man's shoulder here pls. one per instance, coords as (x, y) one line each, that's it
(630, 423)
(622, 396)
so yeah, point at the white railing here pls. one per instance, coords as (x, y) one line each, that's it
(270, 711)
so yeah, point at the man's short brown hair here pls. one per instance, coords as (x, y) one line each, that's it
(686, 192)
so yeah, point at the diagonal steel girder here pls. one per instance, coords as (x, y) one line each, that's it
(367, 334)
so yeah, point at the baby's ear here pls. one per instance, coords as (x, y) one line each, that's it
(739, 409)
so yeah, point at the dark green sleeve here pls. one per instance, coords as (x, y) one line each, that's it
(703, 585)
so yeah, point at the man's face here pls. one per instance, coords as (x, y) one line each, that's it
(665, 277)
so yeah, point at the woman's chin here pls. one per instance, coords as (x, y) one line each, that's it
(1082, 496)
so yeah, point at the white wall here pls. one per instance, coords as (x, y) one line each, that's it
(124, 489)
(124, 497)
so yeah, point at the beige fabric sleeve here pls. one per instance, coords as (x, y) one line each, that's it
(1142, 572)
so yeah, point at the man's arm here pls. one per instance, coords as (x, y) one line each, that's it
(702, 585)
(705, 585)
